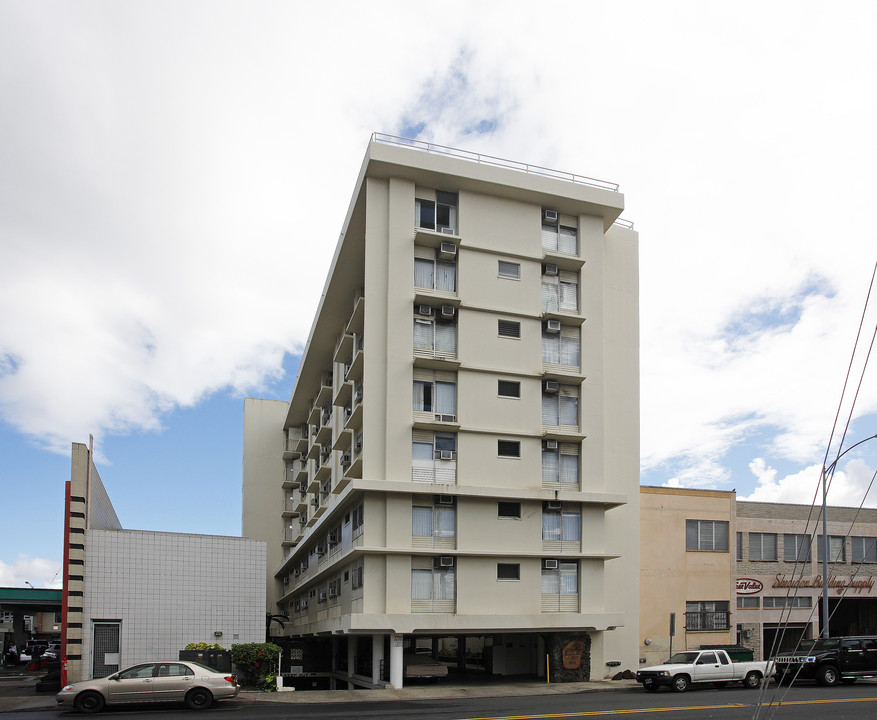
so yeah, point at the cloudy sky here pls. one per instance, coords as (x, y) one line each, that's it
(174, 175)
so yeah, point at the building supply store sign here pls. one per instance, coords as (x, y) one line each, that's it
(839, 583)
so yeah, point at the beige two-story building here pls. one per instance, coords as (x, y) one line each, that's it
(459, 457)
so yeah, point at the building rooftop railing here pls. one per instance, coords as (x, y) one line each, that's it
(493, 161)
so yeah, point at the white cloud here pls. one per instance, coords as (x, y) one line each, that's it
(174, 178)
(39, 572)
(846, 488)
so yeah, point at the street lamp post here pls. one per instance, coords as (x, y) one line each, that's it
(825, 472)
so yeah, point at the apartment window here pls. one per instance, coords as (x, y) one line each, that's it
(508, 571)
(435, 338)
(706, 535)
(561, 348)
(509, 270)
(433, 272)
(748, 603)
(560, 586)
(560, 292)
(434, 456)
(508, 388)
(435, 522)
(560, 238)
(562, 527)
(707, 615)
(433, 588)
(356, 576)
(439, 214)
(864, 549)
(560, 406)
(509, 328)
(335, 589)
(560, 465)
(739, 546)
(357, 516)
(508, 448)
(435, 392)
(787, 601)
(509, 510)
(836, 548)
(762, 546)
(796, 548)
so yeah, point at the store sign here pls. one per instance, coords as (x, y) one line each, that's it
(749, 586)
(852, 583)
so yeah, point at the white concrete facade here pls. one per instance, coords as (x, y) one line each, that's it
(460, 453)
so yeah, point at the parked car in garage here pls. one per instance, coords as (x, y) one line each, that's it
(173, 681)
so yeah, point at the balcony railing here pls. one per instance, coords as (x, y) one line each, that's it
(707, 621)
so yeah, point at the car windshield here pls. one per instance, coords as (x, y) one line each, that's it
(826, 644)
(682, 658)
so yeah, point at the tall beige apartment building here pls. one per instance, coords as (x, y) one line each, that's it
(460, 454)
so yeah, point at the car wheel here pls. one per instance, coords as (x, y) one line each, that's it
(827, 675)
(199, 699)
(90, 702)
(752, 680)
(681, 683)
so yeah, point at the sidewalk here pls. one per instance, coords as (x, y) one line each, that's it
(17, 692)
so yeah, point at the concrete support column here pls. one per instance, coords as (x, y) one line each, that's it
(541, 660)
(397, 641)
(377, 657)
(351, 659)
(461, 653)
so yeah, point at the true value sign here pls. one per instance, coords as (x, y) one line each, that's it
(749, 586)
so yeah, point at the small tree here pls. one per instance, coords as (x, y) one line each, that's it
(257, 663)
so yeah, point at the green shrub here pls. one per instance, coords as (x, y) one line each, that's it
(203, 646)
(256, 662)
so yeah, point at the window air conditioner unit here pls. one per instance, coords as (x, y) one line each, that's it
(321, 549)
(552, 505)
(445, 230)
(304, 604)
(549, 216)
(357, 447)
(550, 444)
(444, 500)
(549, 564)
(444, 417)
(447, 251)
(359, 395)
(345, 459)
(551, 269)
(322, 597)
(444, 454)
(448, 311)
(552, 326)
(446, 561)
(424, 310)
(551, 387)
(333, 593)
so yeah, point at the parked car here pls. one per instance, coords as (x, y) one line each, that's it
(173, 681)
(702, 666)
(830, 661)
(53, 651)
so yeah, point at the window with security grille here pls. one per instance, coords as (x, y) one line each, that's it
(864, 549)
(762, 546)
(707, 615)
(796, 548)
(706, 535)
(836, 548)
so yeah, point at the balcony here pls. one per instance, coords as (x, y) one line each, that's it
(344, 351)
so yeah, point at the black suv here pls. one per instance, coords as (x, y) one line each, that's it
(831, 660)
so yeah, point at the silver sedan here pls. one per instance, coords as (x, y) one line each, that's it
(173, 681)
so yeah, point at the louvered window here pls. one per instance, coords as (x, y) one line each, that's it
(560, 293)
(560, 238)
(509, 328)
(560, 467)
(561, 409)
(762, 546)
(706, 535)
(560, 588)
(561, 350)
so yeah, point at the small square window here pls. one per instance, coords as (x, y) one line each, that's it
(508, 448)
(509, 328)
(509, 509)
(510, 270)
(509, 388)
(508, 571)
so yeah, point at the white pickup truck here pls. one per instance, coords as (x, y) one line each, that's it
(703, 666)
